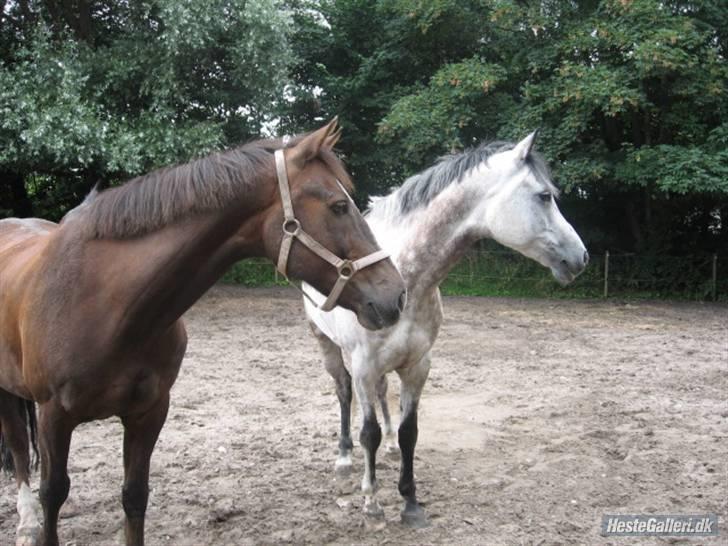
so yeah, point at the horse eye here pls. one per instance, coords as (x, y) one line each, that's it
(545, 196)
(340, 208)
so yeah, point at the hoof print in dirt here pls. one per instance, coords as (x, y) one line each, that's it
(373, 511)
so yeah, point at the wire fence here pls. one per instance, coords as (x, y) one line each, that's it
(487, 272)
(507, 273)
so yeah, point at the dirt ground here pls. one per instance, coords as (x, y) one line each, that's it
(539, 417)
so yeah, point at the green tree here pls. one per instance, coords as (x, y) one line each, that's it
(356, 58)
(630, 96)
(100, 90)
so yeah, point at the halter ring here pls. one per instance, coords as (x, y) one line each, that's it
(346, 270)
(291, 223)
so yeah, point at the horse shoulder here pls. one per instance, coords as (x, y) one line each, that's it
(21, 243)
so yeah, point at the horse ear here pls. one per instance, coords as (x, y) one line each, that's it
(312, 143)
(523, 148)
(332, 139)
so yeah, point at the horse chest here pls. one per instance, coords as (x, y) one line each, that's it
(408, 345)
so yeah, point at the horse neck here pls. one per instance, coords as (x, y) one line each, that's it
(161, 274)
(432, 240)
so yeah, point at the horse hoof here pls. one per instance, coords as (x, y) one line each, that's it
(342, 469)
(373, 510)
(414, 517)
(28, 536)
(392, 453)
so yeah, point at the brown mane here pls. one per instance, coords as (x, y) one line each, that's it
(148, 202)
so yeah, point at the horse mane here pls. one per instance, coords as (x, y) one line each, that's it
(148, 202)
(420, 189)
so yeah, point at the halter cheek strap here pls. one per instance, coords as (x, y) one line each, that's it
(292, 230)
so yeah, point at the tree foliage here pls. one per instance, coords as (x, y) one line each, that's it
(630, 96)
(99, 91)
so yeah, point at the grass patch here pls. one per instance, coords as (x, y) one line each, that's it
(254, 272)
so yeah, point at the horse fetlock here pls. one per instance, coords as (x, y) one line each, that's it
(343, 465)
(345, 444)
(408, 490)
(369, 487)
(28, 536)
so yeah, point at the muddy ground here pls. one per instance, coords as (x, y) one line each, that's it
(539, 417)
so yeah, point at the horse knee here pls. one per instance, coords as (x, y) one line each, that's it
(54, 491)
(371, 435)
(407, 434)
(134, 499)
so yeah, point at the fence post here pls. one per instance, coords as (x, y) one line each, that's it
(715, 277)
(606, 274)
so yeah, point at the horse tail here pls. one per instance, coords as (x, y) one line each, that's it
(6, 459)
(31, 422)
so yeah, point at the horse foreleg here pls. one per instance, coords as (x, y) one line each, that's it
(413, 380)
(343, 392)
(369, 438)
(140, 436)
(14, 428)
(334, 364)
(55, 429)
(391, 449)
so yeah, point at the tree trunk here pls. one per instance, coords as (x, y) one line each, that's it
(84, 28)
(634, 225)
(21, 204)
(648, 234)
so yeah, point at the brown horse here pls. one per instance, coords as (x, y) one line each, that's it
(90, 308)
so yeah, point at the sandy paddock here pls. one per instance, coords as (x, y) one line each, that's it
(539, 416)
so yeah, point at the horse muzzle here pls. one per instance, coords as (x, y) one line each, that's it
(381, 313)
(569, 268)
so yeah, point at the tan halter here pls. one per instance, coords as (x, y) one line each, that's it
(292, 230)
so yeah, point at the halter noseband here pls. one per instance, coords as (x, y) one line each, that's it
(292, 230)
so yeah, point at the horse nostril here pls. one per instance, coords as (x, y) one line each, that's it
(402, 301)
(586, 258)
